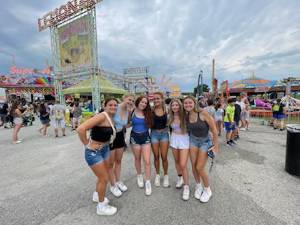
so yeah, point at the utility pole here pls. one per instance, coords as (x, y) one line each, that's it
(213, 78)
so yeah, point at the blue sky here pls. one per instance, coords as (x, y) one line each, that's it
(175, 38)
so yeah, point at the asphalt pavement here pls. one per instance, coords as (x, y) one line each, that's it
(45, 180)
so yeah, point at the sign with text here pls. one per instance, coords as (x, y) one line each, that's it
(75, 43)
(136, 70)
(61, 13)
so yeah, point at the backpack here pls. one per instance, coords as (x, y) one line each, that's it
(58, 115)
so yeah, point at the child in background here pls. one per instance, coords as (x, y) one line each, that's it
(219, 117)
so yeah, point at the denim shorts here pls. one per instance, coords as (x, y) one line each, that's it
(159, 135)
(229, 126)
(139, 138)
(93, 157)
(202, 143)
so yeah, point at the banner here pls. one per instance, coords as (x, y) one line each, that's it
(75, 44)
(26, 80)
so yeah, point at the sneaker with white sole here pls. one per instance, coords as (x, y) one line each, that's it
(157, 180)
(115, 191)
(206, 194)
(179, 182)
(96, 198)
(186, 192)
(166, 182)
(122, 186)
(140, 181)
(198, 191)
(148, 189)
(106, 210)
(17, 142)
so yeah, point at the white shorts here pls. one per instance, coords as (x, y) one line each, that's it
(77, 119)
(179, 141)
(59, 123)
(18, 120)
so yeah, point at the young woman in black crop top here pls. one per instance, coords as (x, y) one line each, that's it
(97, 151)
(198, 124)
(160, 138)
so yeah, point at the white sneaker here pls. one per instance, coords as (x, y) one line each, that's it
(166, 181)
(242, 128)
(148, 189)
(198, 191)
(157, 180)
(106, 210)
(17, 142)
(206, 194)
(96, 198)
(179, 182)
(186, 192)
(115, 191)
(140, 181)
(122, 186)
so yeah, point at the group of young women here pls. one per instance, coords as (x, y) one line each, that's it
(189, 131)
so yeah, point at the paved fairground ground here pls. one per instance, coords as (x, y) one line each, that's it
(46, 181)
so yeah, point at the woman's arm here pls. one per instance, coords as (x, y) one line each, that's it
(212, 127)
(82, 129)
(19, 113)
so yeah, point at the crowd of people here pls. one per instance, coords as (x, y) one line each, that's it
(189, 127)
(17, 113)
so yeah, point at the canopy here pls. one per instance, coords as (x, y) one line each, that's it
(85, 87)
(253, 83)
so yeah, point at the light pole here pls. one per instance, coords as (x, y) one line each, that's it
(200, 76)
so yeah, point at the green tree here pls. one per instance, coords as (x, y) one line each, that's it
(205, 88)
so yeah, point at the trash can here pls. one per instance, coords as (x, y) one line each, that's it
(292, 158)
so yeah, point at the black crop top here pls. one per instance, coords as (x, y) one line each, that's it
(101, 134)
(159, 122)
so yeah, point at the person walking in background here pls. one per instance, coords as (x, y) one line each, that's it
(160, 138)
(58, 113)
(44, 118)
(121, 119)
(210, 108)
(179, 143)
(247, 117)
(76, 112)
(97, 151)
(237, 119)
(278, 114)
(4, 115)
(17, 114)
(219, 117)
(141, 121)
(229, 121)
(199, 123)
(244, 103)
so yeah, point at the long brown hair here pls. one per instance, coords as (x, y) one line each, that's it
(182, 117)
(147, 111)
(13, 108)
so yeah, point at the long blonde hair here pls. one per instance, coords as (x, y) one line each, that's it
(182, 117)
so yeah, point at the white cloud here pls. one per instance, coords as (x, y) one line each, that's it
(179, 38)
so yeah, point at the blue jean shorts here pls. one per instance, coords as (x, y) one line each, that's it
(139, 138)
(202, 144)
(159, 135)
(229, 126)
(93, 157)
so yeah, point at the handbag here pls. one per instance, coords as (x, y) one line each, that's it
(113, 136)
